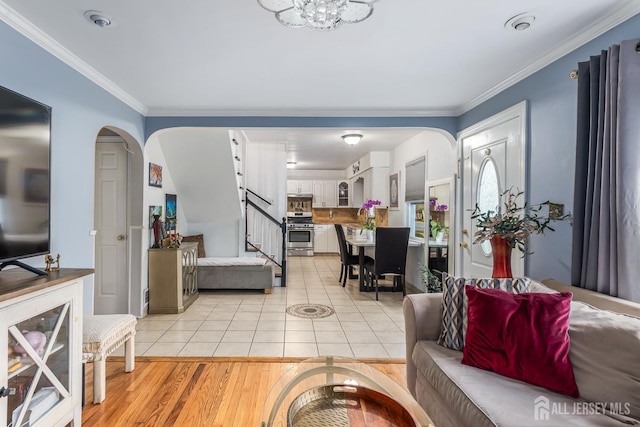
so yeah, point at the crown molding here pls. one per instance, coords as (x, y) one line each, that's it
(605, 24)
(26, 28)
(30, 31)
(190, 112)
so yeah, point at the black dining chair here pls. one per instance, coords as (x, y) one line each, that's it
(390, 257)
(347, 259)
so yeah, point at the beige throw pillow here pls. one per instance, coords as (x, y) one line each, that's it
(605, 353)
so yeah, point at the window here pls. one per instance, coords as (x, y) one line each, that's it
(414, 197)
(417, 220)
(414, 183)
(488, 194)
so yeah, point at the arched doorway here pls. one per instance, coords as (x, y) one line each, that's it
(118, 222)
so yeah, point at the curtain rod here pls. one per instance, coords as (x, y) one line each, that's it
(573, 74)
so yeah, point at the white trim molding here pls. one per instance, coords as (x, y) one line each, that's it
(39, 37)
(605, 24)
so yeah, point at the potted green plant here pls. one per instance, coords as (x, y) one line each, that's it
(431, 281)
(438, 230)
(369, 225)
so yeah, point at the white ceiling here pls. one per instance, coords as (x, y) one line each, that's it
(231, 57)
(323, 149)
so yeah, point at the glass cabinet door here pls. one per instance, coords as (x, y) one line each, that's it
(38, 365)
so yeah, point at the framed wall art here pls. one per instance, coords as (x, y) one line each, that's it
(155, 175)
(394, 190)
(171, 211)
(153, 211)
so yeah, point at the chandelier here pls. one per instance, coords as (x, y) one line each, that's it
(319, 14)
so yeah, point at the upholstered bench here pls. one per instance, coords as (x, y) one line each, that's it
(235, 273)
(101, 335)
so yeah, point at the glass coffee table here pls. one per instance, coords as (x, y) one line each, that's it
(335, 391)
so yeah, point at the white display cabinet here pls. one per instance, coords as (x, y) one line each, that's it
(41, 333)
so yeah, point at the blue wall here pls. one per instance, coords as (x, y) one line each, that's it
(551, 95)
(80, 109)
(449, 124)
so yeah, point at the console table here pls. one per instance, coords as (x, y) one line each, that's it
(173, 278)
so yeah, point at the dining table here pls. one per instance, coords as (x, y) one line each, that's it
(354, 241)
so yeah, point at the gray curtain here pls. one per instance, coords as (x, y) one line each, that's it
(606, 209)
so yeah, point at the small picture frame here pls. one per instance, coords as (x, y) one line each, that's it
(155, 175)
(394, 191)
(171, 212)
(153, 211)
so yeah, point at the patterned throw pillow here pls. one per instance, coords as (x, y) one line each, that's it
(454, 304)
(199, 239)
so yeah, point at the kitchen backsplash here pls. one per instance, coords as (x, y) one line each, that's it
(347, 216)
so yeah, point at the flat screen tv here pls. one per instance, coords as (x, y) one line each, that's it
(25, 142)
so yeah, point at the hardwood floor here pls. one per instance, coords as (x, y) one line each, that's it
(194, 391)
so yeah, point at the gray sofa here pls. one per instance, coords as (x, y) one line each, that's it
(605, 354)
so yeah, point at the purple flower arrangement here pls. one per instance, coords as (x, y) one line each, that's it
(370, 203)
(436, 207)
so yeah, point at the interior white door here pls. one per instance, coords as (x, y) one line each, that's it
(111, 284)
(493, 156)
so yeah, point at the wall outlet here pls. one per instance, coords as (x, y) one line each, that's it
(555, 210)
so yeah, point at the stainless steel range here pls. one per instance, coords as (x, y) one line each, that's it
(299, 234)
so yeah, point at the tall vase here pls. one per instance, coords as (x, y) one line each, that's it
(501, 251)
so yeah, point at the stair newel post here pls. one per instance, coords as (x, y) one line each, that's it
(283, 277)
(246, 221)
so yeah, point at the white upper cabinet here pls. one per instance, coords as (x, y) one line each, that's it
(299, 186)
(344, 194)
(325, 194)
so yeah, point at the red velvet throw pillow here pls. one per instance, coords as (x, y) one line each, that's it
(521, 336)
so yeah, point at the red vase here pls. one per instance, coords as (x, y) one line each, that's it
(501, 251)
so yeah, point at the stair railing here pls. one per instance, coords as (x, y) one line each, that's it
(281, 224)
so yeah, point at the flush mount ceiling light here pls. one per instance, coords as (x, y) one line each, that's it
(319, 14)
(352, 138)
(291, 165)
(98, 18)
(520, 22)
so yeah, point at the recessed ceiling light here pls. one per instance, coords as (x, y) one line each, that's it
(352, 138)
(98, 18)
(520, 22)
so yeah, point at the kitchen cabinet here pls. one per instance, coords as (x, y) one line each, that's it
(42, 365)
(299, 186)
(325, 239)
(344, 194)
(375, 185)
(332, 240)
(324, 194)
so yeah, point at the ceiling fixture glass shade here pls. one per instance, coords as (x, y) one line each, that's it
(319, 14)
(352, 138)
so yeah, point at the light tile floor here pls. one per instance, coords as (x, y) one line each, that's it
(251, 323)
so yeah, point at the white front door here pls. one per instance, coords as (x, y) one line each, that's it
(111, 283)
(493, 155)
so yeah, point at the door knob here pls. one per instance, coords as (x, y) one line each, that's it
(464, 245)
(121, 237)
